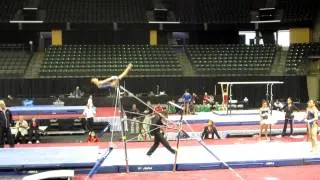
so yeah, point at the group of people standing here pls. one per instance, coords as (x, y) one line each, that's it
(190, 101)
(311, 119)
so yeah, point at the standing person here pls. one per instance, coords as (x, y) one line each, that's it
(225, 96)
(77, 93)
(90, 102)
(147, 118)
(209, 131)
(187, 98)
(89, 114)
(158, 136)
(148, 109)
(312, 125)
(143, 135)
(34, 131)
(206, 99)
(193, 103)
(5, 123)
(134, 115)
(289, 109)
(195, 98)
(264, 112)
(278, 105)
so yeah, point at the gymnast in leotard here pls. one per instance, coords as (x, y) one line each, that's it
(112, 81)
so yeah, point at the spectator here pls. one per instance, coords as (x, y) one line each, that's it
(133, 115)
(92, 138)
(193, 103)
(147, 119)
(22, 130)
(148, 109)
(77, 93)
(34, 131)
(217, 107)
(206, 99)
(277, 105)
(143, 135)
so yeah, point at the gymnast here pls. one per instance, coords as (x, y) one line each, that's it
(264, 112)
(112, 81)
(225, 95)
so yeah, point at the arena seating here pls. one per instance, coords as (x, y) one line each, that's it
(102, 60)
(13, 60)
(298, 55)
(95, 11)
(231, 59)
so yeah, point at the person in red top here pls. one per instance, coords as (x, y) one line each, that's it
(92, 138)
(225, 95)
(158, 108)
(206, 98)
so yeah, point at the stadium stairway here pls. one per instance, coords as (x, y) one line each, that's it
(187, 68)
(34, 65)
(278, 66)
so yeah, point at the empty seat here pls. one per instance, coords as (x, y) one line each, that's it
(106, 60)
(231, 59)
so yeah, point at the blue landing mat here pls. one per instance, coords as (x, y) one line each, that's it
(81, 159)
(48, 157)
(46, 109)
(265, 154)
(241, 117)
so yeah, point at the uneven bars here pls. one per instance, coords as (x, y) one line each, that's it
(175, 105)
(253, 82)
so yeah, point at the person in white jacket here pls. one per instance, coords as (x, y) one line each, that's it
(89, 113)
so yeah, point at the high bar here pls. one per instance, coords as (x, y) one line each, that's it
(253, 82)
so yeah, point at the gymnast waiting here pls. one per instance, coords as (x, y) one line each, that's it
(264, 112)
(209, 131)
(288, 109)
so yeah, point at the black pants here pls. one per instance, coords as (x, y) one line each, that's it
(6, 132)
(290, 120)
(88, 124)
(35, 134)
(158, 138)
(20, 138)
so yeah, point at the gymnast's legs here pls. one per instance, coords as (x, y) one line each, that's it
(112, 81)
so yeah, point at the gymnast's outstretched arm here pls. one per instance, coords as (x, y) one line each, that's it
(113, 80)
